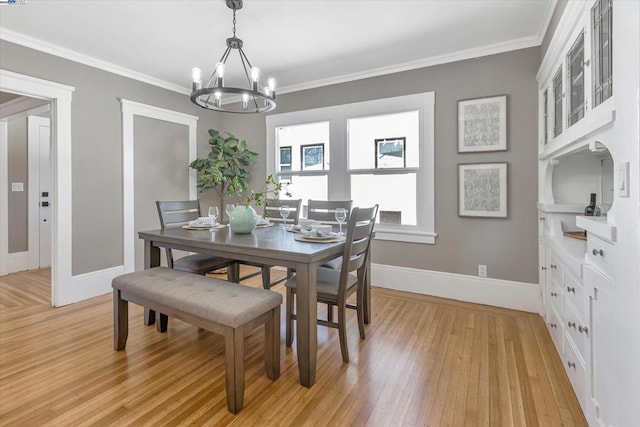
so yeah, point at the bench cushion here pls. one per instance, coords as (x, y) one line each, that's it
(208, 298)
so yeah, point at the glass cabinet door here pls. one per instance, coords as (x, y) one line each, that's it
(601, 23)
(557, 103)
(575, 67)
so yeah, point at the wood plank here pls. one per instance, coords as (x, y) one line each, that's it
(426, 361)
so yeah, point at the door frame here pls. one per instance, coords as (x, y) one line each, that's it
(130, 109)
(61, 224)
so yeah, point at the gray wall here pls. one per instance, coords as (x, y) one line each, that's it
(507, 246)
(18, 201)
(97, 145)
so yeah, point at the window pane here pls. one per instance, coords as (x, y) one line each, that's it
(575, 63)
(386, 141)
(303, 147)
(557, 103)
(395, 195)
(305, 188)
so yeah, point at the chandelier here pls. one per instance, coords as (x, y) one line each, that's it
(215, 95)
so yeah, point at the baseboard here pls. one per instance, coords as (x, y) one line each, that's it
(17, 261)
(88, 285)
(480, 290)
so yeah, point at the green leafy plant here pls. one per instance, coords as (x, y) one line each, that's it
(271, 188)
(224, 169)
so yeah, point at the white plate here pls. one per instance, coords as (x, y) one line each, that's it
(329, 237)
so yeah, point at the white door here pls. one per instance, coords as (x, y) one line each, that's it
(44, 193)
(39, 192)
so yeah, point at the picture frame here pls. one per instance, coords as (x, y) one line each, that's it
(482, 124)
(482, 189)
(312, 157)
(390, 153)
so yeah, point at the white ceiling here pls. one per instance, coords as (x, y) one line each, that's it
(303, 43)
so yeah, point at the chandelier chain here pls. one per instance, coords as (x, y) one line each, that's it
(234, 23)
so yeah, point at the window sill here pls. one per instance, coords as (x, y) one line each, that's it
(405, 236)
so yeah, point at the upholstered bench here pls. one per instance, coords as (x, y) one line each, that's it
(219, 306)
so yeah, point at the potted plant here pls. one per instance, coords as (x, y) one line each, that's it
(243, 218)
(224, 169)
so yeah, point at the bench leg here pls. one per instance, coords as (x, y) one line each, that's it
(234, 363)
(149, 317)
(120, 321)
(162, 320)
(272, 344)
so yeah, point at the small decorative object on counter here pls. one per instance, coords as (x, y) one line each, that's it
(592, 209)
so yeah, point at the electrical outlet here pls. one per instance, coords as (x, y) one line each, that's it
(482, 270)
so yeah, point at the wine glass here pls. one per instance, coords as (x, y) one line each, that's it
(213, 214)
(284, 213)
(229, 207)
(341, 216)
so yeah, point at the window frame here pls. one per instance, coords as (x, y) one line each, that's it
(339, 174)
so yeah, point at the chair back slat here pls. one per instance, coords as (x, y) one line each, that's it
(359, 232)
(174, 214)
(177, 214)
(272, 210)
(325, 210)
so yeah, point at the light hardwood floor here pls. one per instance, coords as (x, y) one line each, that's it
(426, 361)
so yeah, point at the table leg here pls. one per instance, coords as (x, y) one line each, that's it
(151, 259)
(306, 322)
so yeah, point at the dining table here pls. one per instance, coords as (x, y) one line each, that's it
(274, 246)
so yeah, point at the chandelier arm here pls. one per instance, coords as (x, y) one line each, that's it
(223, 59)
(244, 65)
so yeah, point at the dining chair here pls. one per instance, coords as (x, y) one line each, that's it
(335, 286)
(272, 213)
(178, 213)
(325, 212)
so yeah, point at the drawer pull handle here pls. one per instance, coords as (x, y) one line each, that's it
(598, 252)
(571, 364)
(553, 325)
(554, 294)
(571, 324)
(571, 289)
(553, 266)
(583, 329)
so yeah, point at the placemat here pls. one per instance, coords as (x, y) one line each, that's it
(301, 238)
(208, 227)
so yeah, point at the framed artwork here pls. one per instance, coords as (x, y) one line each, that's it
(482, 124)
(390, 153)
(482, 190)
(312, 157)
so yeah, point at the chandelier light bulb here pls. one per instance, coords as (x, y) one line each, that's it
(218, 98)
(272, 86)
(245, 101)
(220, 72)
(255, 76)
(196, 75)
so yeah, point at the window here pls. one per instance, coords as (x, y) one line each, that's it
(575, 66)
(378, 151)
(557, 103)
(601, 22)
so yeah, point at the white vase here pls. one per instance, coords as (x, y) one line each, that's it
(243, 219)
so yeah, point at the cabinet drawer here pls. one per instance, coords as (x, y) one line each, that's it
(556, 296)
(554, 324)
(574, 366)
(576, 329)
(600, 253)
(574, 292)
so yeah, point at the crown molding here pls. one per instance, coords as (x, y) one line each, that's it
(461, 55)
(548, 14)
(53, 49)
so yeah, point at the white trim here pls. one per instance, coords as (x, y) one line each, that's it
(4, 197)
(129, 110)
(61, 255)
(461, 55)
(548, 14)
(17, 261)
(62, 52)
(90, 285)
(479, 290)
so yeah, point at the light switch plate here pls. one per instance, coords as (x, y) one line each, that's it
(17, 186)
(623, 179)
